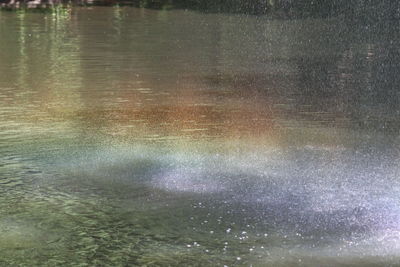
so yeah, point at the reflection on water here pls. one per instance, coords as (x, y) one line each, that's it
(138, 137)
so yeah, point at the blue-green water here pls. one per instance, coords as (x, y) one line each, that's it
(132, 137)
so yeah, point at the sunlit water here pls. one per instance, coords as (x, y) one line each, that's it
(173, 138)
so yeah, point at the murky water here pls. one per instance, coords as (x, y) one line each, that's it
(173, 138)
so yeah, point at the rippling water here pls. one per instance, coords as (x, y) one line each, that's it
(174, 138)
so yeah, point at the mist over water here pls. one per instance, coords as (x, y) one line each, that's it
(175, 138)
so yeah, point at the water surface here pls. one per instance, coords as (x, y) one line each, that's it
(174, 138)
